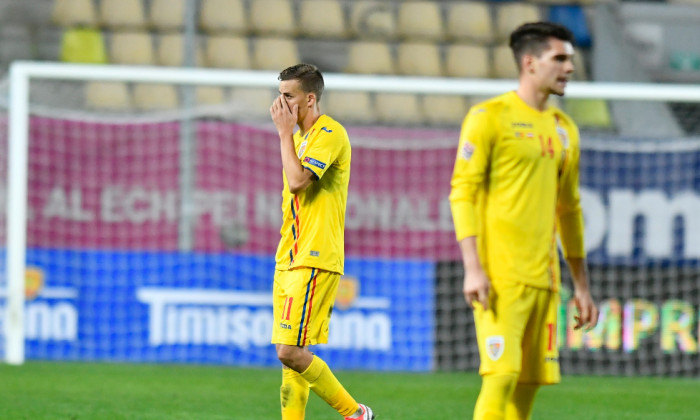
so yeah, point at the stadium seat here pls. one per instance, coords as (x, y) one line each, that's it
(275, 54)
(322, 19)
(398, 109)
(83, 45)
(469, 61)
(369, 57)
(229, 52)
(589, 113)
(167, 15)
(224, 16)
(210, 95)
(419, 59)
(119, 14)
(470, 21)
(511, 15)
(107, 96)
(573, 17)
(373, 19)
(131, 48)
(504, 66)
(273, 18)
(155, 96)
(252, 102)
(353, 107)
(420, 20)
(171, 50)
(74, 13)
(444, 109)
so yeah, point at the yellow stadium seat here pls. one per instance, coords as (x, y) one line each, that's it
(369, 57)
(83, 45)
(353, 107)
(469, 61)
(167, 15)
(398, 109)
(117, 14)
(444, 109)
(171, 51)
(580, 72)
(322, 19)
(419, 59)
(224, 16)
(131, 48)
(229, 52)
(107, 96)
(155, 96)
(74, 13)
(275, 54)
(504, 66)
(470, 21)
(210, 95)
(420, 20)
(590, 113)
(373, 19)
(511, 15)
(273, 18)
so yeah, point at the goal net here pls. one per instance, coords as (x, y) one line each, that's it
(149, 236)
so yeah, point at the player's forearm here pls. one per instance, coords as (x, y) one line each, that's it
(291, 165)
(579, 273)
(470, 254)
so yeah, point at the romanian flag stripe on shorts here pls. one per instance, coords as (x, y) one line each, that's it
(306, 316)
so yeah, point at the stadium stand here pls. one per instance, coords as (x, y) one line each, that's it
(420, 20)
(370, 57)
(322, 19)
(419, 59)
(228, 16)
(469, 61)
(112, 96)
(355, 107)
(121, 14)
(373, 19)
(398, 109)
(228, 51)
(167, 15)
(469, 21)
(273, 18)
(170, 50)
(69, 13)
(132, 47)
(274, 53)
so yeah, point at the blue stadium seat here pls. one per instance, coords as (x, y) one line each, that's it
(573, 17)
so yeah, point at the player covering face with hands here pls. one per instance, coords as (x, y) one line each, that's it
(310, 254)
(514, 191)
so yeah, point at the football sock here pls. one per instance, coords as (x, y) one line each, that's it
(294, 393)
(325, 385)
(520, 404)
(496, 391)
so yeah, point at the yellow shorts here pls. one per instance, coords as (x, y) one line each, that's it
(518, 333)
(302, 305)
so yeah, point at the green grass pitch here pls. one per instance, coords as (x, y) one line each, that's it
(82, 391)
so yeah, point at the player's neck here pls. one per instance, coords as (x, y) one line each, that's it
(533, 97)
(309, 120)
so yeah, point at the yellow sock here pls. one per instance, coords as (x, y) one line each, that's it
(496, 391)
(520, 405)
(325, 385)
(294, 393)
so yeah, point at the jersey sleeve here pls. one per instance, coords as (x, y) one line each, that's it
(569, 211)
(470, 170)
(323, 150)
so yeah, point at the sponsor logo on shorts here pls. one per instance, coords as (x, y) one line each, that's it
(314, 162)
(494, 346)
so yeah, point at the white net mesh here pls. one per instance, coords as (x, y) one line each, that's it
(108, 279)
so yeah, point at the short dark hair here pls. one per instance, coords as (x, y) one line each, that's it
(533, 38)
(309, 77)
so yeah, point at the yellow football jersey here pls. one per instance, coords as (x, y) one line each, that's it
(313, 221)
(515, 183)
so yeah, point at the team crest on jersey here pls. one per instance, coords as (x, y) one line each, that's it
(302, 149)
(348, 289)
(467, 150)
(561, 132)
(494, 346)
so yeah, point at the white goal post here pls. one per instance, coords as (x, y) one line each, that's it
(22, 73)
